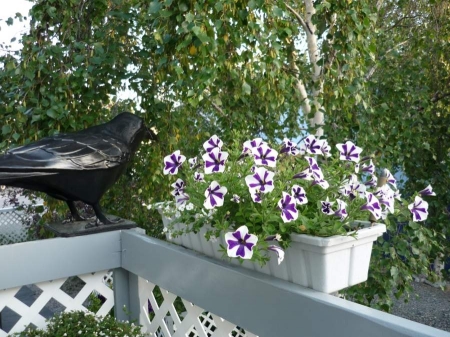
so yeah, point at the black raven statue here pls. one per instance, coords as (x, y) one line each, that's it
(79, 166)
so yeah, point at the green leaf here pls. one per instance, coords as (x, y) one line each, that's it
(6, 129)
(154, 7)
(246, 88)
(51, 113)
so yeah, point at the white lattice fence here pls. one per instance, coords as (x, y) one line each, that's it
(32, 304)
(13, 226)
(167, 315)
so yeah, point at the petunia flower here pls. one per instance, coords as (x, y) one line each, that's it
(299, 195)
(181, 200)
(326, 207)
(349, 151)
(236, 199)
(325, 148)
(261, 181)
(215, 161)
(372, 182)
(213, 143)
(306, 174)
(192, 162)
(264, 155)
(315, 169)
(289, 147)
(256, 196)
(368, 168)
(341, 211)
(372, 205)
(199, 177)
(279, 251)
(427, 191)
(287, 206)
(311, 145)
(214, 195)
(172, 162)
(419, 209)
(252, 144)
(240, 243)
(178, 187)
(390, 178)
(386, 197)
(353, 188)
(322, 183)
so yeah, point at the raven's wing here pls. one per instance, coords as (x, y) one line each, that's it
(77, 151)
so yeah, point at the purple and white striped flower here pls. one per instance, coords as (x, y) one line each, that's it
(299, 195)
(287, 206)
(192, 162)
(240, 243)
(213, 143)
(279, 251)
(261, 181)
(215, 161)
(390, 178)
(289, 147)
(368, 168)
(236, 199)
(264, 155)
(252, 144)
(386, 197)
(427, 191)
(325, 148)
(341, 211)
(306, 174)
(315, 169)
(256, 196)
(372, 182)
(419, 209)
(372, 205)
(199, 177)
(349, 151)
(326, 207)
(178, 187)
(172, 162)
(312, 145)
(214, 195)
(181, 200)
(353, 188)
(322, 183)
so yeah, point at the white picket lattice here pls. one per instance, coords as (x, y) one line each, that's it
(19, 309)
(13, 226)
(164, 314)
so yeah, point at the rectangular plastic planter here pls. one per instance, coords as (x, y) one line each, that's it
(323, 264)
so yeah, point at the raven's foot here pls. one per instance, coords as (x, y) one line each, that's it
(73, 210)
(105, 221)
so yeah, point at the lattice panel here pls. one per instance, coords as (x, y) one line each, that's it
(164, 314)
(13, 226)
(33, 304)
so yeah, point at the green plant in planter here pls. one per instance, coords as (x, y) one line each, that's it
(255, 193)
(80, 323)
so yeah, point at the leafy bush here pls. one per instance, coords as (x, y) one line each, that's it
(80, 323)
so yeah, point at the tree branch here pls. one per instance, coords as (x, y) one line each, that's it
(298, 17)
(375, 66)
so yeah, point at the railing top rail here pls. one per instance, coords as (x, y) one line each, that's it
(264, 305)
(38, 261)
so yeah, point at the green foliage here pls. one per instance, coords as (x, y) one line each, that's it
(203, 67)
(80, 323)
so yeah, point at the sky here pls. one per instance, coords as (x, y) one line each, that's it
(9, 8)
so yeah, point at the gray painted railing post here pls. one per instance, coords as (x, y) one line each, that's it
(126, 297)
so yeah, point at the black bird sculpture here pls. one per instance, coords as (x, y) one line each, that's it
(79, 166)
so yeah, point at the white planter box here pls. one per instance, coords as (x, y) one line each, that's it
(323, 264)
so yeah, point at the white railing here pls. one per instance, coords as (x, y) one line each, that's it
(174, 292)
